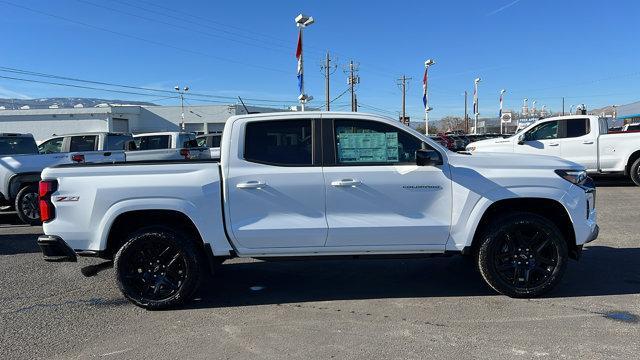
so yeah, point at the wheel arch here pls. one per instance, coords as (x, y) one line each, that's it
(550, 209)
(632, 158)
(18, 181)
(130, 221)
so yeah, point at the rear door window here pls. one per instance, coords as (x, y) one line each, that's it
(279, 143)
(154, 142)
(577, 127)
(83, 143)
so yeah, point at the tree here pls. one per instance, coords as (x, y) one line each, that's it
(432, 129)
(452, 123)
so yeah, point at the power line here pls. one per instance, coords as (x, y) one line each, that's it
(59, 77)
(154, 42)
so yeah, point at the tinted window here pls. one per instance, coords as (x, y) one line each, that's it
(370, 142)
(83, 143)
(187, 140)
(154, 142)
(577, 127)
(51, 146)
(286, 142)
(548, 130)
(116, 142)
(215, 140)
(17, 145)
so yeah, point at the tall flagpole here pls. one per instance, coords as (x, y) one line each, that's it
(476, 109)
(500, 113)
(425, 94)
(302, 21)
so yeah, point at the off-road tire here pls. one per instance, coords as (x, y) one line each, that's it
(634, 172)
(26, 205)
(148, 256)
(547, 266)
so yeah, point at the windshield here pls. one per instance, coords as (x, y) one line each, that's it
(12, 145)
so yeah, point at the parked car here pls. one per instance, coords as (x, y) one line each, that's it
(579, 138)
(14, 144)
(211, 141)
(19, 174)
(90, 141)
(165, 140)
(314, 185)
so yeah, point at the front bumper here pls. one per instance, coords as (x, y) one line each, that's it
(594, 234)
(55, 249)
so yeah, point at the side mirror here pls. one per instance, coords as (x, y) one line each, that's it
(426, 157)
(521, 139)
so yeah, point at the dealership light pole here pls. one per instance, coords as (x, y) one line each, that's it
(476, 109)
(302, 21)
(425, 96)
(181, 92)
(500, 113)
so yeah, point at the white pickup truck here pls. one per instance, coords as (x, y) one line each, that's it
(165, 140)
(579, 138)
(318, 184)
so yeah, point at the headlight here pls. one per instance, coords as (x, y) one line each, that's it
(577, 177)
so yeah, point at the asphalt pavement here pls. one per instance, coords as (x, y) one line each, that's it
(401, 309)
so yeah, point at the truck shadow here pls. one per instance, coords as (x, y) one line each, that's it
(601, 271)
(612, 181)
(18, 244)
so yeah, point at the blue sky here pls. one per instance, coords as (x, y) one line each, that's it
(586, 51)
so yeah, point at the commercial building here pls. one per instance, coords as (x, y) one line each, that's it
(629, 113)
(44, 123)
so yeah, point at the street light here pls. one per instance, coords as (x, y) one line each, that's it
(500, 114)
(181, 92)
(476, 108)
(302, 21)
(427, 108)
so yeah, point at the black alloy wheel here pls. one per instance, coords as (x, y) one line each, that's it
(26, 205)
(158, 268)
(524, 255)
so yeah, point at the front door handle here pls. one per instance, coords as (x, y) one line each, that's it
(346, 182)
(553, 144)
(588, 142)
(253, 184)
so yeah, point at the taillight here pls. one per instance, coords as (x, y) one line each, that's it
(77, 158)
(45, 189)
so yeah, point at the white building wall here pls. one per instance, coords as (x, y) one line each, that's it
(45, 126)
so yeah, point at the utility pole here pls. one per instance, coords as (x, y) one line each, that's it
(402, 82)
(563, 106)
(328, 70)
(181, 92)
(352, 80)
(476, 107)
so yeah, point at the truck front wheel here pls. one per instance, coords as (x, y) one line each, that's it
(158, 268)
(634, 171)
(27, 205)
(522, 255)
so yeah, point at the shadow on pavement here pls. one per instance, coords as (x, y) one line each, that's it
(612, 181)
(9, 218)
(601, 271)
(12, 244)
(17, 241)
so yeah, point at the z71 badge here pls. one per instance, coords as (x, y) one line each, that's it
(67, 198)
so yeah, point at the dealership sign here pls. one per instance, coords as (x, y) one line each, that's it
(506, 117)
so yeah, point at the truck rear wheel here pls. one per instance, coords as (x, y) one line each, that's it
(158, 268)
(635, 172)
(26, 205)
(522, 255)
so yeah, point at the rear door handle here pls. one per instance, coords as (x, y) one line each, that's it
(253, 184)
(346, 182)
(553, 144)
(588, 142)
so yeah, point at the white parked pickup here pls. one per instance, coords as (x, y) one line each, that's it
(579, 138)
(319, 184)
